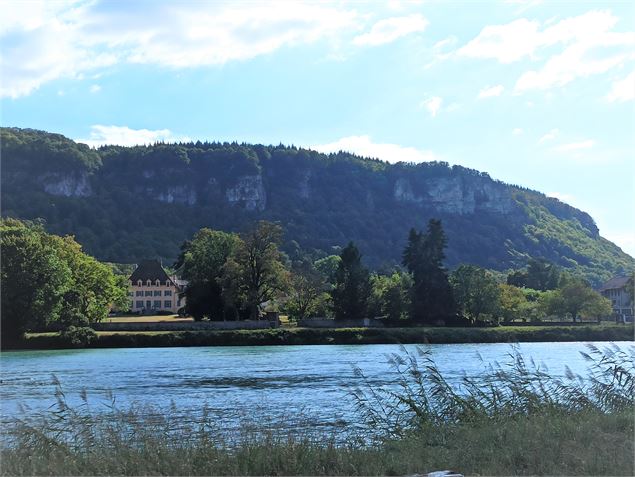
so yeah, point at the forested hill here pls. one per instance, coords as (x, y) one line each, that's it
(128, 203)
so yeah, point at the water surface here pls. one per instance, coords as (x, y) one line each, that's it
(275, 383)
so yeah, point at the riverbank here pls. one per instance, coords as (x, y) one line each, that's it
(302, 336)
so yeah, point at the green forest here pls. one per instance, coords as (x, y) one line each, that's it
(124, 204)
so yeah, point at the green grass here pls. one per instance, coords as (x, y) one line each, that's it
(587, 443)
(299, 336)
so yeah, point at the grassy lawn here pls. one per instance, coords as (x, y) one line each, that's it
(147, 319)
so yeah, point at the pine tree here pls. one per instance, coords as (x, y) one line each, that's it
(352, 286)
(431, 295)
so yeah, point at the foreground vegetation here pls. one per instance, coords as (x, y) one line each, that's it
(514, 420)
(302, 336)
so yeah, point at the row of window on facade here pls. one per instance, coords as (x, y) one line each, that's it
(149, 283)
(156, 304)
(150, 293)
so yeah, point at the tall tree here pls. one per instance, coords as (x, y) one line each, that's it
(352, 286)
(476, 292)
(540, 274)
(575, 299)
(307, 293)
(255, 271)
(431, 295)
(390, 295)
(202, 260)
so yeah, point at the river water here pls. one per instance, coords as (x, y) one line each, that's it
(238, 384)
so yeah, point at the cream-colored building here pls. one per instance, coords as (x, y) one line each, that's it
(152, 290)
(616, 290)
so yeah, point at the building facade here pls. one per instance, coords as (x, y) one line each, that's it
(616, 290)
(152, 290)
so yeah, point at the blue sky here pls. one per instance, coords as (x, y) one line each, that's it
(535, 93)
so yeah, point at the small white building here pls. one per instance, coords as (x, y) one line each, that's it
(152, 290)
(616, 290)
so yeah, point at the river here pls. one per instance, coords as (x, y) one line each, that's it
(239, 384)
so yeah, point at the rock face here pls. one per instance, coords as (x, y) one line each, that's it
(457, 195)
(403, 192)
(304, 188)
(66, 185)
(248, 192)
(177, 195)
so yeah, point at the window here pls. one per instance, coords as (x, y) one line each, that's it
(139, 293)
(157, 304)
(158, 283)
(139, 304)
(148, 293)
(167, 293)
(130, 294)
(167, 304)
(139, 283)
(157, 292)
(149, 283)
(131, 304)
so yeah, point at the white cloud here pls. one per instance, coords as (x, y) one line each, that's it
(433, 105)
(562, 197)
(363, 146)
(623, 90)
(449, 41)
(101, 135)
(549, 136)
(43, 41)
(95, 88)
(491, 91)
(517, 131)
(575, 146)
(585, 45)
(391, 29)
(505, 43)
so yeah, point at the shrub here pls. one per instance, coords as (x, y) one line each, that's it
(78, 336)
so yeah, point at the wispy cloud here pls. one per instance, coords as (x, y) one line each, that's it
(433, 105)
(623, 90)
(364, 146)
(491, 91)
(391, 29)
(517, 131)
(581, 46)
(549, 136)
(95, 88)
(101, 135)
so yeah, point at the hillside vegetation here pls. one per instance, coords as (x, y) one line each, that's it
(124, 204)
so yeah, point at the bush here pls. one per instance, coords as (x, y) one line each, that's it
(78, 336)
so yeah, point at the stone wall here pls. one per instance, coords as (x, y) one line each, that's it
(186, 326)
(330, 323)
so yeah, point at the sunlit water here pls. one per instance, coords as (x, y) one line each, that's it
(235, 384)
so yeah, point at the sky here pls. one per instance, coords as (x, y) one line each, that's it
(539, 94)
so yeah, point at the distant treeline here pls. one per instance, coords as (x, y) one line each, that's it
(231, 276)
(47, 280)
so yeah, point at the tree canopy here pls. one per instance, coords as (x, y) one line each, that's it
(48, 280)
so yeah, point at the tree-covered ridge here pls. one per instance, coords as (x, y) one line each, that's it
(128, 203)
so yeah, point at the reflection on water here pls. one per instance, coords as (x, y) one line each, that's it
(238, 384)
